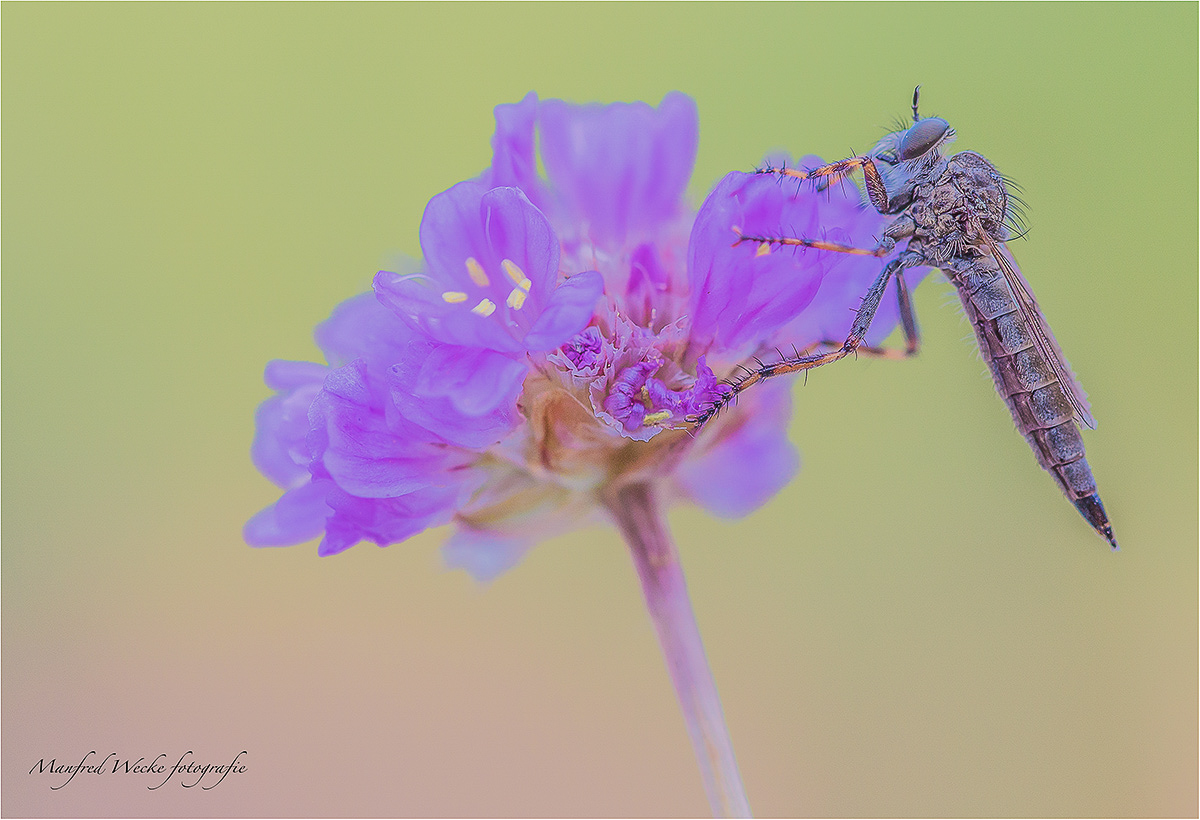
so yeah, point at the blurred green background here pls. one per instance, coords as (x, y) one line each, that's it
(918, 625)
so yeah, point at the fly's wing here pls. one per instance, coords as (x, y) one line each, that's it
(1043, 339)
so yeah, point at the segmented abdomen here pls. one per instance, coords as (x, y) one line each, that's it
(1025, 380)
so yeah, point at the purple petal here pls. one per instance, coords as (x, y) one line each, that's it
(567, 312)
(488, 225)
(363, 454)
(513, 161)
(476, 382)
(416, 298)
(584, 352)
(362, 328)
(484, 555)
(285, 375)
(297, 517)
(385, 521)
(280, 451)
(703, 392)
(420, 398)
(739, 298)
(492, 262)
(649, 282)
(620, 168)
(742, 471)
(623, 403)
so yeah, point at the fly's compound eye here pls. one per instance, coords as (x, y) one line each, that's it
(922, 137)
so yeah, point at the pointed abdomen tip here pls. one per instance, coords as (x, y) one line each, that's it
(1093, 512)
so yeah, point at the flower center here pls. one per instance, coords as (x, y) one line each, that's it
(638, 400)
(485, 306)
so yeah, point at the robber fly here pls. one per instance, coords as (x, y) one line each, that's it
(952, 213)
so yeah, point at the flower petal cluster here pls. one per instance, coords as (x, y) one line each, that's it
(561, 330)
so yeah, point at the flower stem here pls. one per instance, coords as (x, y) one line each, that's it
(657, 561)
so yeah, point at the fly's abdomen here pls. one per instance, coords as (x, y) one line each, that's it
(1025, 380)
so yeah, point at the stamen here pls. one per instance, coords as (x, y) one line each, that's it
(478, 276)
(517, 275)
(454, 296)
(486, 307)
(643, 395)
(654, 418)
(516, 298)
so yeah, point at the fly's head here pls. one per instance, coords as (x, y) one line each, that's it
(911, 156)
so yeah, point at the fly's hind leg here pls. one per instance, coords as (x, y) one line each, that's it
(853, 343)
(908, 324)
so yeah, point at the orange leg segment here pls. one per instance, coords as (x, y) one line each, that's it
(836, 171)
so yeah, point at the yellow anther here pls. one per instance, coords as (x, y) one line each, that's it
(486, 307)
(643, 396)
(654, 418)
(476, 272)
(454, 296)
(516, 298)
(517, 275)
(763, 249)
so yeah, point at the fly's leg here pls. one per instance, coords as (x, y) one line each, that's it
(765, 242)
(908, 324)
(862, 321)
(836, 171)
(908, 318)
(901, 228)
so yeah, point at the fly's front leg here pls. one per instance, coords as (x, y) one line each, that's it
(862, 321)
(836, 171)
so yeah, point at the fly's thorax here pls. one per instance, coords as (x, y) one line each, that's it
(955, 213)
(983, 191)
